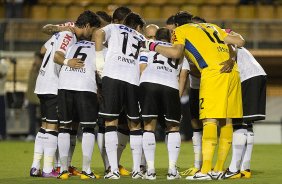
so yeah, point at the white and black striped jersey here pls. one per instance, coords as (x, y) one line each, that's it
(248, 65)
(121, 60)
(48, 77)
(160, 69)
(81, 79)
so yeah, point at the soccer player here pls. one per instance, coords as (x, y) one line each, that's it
(160, 96)
(123, 132)
(253, 79)
(150, 33)
(84, 26)
(46, 88)
(120, 80)
(218, 97)
(79, 100)
(52, 29)
(197, 125)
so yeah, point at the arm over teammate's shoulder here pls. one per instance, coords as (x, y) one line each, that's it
(235, 39)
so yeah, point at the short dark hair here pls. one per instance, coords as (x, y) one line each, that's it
(163, 34)
(198, 19)
(133, 20)
(88, 17)
(103, 15)
(182, 17)
(170, 20)
(120, 13)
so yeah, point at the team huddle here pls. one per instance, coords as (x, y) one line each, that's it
(102, 71)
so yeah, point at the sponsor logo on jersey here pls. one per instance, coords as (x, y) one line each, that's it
(126, 28)
(67, 39)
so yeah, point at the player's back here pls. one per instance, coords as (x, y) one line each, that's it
(47, 79)
(204, 44)
(121, 60)
(160, 69)
(248, 65)
(80, 79)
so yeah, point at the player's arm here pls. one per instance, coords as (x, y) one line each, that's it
(183, 76)
(43, 50)
(60, 59)
(51, 29)
(143, 61)
(235, 39)
(229, 64)
(99, 39)
(142, 67)
(174, 52)
(182, 81)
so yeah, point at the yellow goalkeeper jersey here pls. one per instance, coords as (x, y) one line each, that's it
(203, 43)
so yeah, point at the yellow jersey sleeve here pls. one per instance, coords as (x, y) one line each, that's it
(222, 33)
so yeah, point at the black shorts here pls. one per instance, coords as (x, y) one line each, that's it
(194, 103)
(49, 108)
(122, 119)
(254, 98)
(157, 100)
(118, 96)
(77, 106)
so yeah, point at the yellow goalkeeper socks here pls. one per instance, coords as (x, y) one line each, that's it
(225, 141)
(208, 145)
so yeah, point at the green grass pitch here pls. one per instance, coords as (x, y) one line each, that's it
(16, 158)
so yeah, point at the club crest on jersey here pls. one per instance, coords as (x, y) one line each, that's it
(66, 41)
(173, 38)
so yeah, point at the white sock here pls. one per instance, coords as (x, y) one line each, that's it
(50, 147)
(57, 162)
(238, 144)
(38, 150)
(246, 163)
(173, 147)
(111, 142)
(64, 147)
(122, 141)
(72, 147)
(143, 159)
(102, 149)
(88, 141)
(149, 148)
(136, 149)
(197, 147)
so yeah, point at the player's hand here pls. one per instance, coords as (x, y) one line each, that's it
(148, 45)
(75, 63)
(227, 66)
